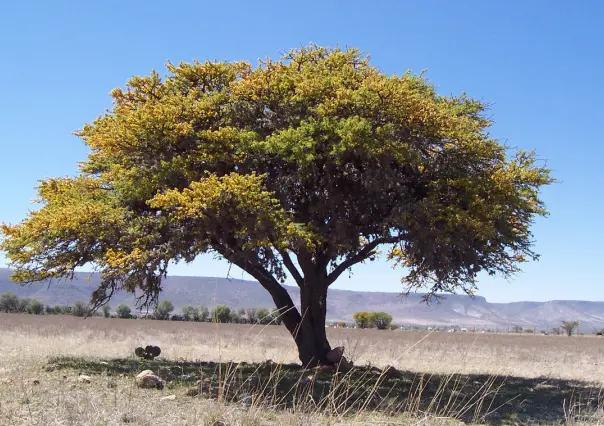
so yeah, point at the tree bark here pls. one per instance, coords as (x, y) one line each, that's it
(308, 326)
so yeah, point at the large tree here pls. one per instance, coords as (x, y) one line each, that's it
(300, 167)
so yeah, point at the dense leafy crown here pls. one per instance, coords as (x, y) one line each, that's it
(318, 154)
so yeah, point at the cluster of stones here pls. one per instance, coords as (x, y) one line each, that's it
(149, 352)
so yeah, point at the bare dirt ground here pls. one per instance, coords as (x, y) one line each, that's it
(536, 379)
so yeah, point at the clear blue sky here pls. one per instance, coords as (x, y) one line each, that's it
(539, 62)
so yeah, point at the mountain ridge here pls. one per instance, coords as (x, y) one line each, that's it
(460, 310)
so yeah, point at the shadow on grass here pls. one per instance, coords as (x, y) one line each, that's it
(493, 400)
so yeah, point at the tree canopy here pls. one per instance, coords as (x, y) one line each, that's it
(302, 166)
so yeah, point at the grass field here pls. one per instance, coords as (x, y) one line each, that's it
(441, 378)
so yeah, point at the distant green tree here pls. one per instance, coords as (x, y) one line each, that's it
(163, 310)
(106, 309)
(263, 316)
(277, 317)
(9, 302)
(251, 316)
(235, 318)
(556, 330)
(380, 320)
(190, 313)
(123, 311)
(48, 310)
(516, 329)
(361, 319)
(79, 309)
(24, 305)
(221, 314)
(35, 307)
(242, 316)
(529, 331)
(204, 314)
(569, 327)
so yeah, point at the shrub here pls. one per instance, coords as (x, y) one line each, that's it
(80, 309)
(123, 311)
(106, 309)
(9, 302)
(163, 310)
(380, 320)
(35, 307)
(221, 314)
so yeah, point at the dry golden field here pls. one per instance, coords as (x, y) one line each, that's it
(488, 378)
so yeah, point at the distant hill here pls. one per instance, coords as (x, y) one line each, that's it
(452, 310)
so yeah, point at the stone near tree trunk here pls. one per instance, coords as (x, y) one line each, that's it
(345, 366)
(335, 355)
(148, 380)
(392, 372)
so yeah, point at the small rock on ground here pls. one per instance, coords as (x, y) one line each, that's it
(84, 378)
(168, 398)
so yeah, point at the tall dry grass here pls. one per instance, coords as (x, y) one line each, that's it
(27, 342)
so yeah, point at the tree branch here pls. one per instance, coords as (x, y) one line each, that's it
(361, 255)
(287, 261)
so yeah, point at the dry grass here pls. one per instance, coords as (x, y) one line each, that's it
(504, 364)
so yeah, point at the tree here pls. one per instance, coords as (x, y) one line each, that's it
(123, 311)
(24, 305)
(48, 310)
(251, 316)
(9, 302)
(190, 313)
(304, 166)
(569, 327)
(361, 319)
(204, 314)
(556, 330)
(221, 314)
(79, 309)
(263, 316)
(516, 329)
(276, 317)
(380, 320)
(242, 316)
(163, 310)
(35, 307)
(106, 309)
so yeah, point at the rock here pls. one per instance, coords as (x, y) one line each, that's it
(103, 363)
(84, 378)
(147, 380)
(35, 382)
(168, 398)
(193, 391)
(392, 372)
(345, 366)
(49, 368)
(335, 355)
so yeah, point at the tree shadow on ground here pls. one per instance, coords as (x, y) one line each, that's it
(472, 398)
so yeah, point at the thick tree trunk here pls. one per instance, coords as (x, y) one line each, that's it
(312, 339)
(308, 326)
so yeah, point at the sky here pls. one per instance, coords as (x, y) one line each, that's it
(538, 63)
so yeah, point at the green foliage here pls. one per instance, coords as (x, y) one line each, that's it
(163, 310)
(190, 313)
(9, 302)
(276, 317)
(516, 329)
(380, 320)
(569, 327)
(35, 307)
(123, 311)
(80, 309)
(263, 316)
(106, 309)
(361, 319)
(221, 314)
(204, 314)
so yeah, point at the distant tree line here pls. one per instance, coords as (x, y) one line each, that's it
(11, 303)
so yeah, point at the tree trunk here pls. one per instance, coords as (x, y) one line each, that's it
(307, 329)
(312, 339)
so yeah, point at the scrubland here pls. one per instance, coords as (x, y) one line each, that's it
(440, 378)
